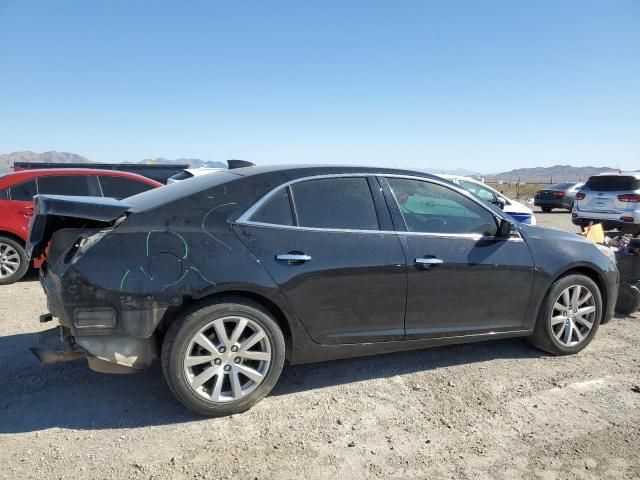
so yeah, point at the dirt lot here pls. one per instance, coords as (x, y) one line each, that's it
(489, 410)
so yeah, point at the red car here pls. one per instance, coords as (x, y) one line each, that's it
(16, 204)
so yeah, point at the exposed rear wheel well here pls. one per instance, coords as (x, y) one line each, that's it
(267, 304)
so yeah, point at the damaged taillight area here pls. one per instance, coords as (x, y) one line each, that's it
(53, 213)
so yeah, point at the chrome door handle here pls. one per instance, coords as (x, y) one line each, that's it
(293, 257)
(428, 262)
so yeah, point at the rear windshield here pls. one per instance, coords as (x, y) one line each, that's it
(561, 186)
(610, 183)
(166, 194)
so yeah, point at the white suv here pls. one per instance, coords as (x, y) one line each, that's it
(612, 199)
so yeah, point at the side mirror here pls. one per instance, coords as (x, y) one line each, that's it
(499, 202)
(504, 229)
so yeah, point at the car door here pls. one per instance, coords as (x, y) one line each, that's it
(329, 245)
(121, 187)
(19, 205)
(462, 280)
(75, 185)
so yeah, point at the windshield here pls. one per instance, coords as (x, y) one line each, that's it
(479, 190)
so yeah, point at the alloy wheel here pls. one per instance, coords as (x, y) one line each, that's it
(9, 260)
(573, 315)
(227, 359)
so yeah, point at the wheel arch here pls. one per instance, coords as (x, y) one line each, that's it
(594, 274)
(277, 311)
(12, 236)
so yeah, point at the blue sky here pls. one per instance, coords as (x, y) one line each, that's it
(481, 85)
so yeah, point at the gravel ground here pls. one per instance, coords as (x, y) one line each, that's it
(488, 410)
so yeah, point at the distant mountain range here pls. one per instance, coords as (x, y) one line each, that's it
(557, 173)
(7, 160)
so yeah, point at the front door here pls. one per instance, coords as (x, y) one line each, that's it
(462, 280)
(345, 278)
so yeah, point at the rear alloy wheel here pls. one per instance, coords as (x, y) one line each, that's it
(223, 357)
(13, 262)
(546, 209)
(569, 316)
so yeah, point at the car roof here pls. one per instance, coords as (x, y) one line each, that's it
(266, 178)
(302, 170)
(23, 175)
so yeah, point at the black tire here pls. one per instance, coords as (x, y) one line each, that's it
(543, 337)
(178, 338)
(546, 209)
(628, 301)
(21, 270)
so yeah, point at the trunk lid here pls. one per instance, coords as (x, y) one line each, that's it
(55, 212)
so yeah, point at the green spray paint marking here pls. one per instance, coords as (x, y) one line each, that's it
(205, 218)
(203, 277)
(186, 245)
(124, 277)
(165, 286)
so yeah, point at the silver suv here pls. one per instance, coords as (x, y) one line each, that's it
(612, 199)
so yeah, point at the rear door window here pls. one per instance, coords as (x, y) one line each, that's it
(342, 203)
(120, 187)
(24, 192)
(612, 183)
(276, 210)
(77, 185)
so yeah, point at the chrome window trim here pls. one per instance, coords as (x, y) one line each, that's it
(465, 236)
(244, 219)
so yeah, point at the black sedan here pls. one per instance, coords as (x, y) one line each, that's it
(560, 195)
(225, 276)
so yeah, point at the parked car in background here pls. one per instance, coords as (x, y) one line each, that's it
(513, 208)
(192, 172)
(16, 204)
(159, 172)
(559, 195)
(612, 199)
(225, 276)
(196, 171)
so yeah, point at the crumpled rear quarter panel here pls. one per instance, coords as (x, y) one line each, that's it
(158, 258)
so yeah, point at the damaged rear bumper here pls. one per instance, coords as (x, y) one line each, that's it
(56, 346)
(114, 332)
(105, 354)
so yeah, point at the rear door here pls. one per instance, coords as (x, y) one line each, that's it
(19, 205)
(322, 241)
(462, 280)
(75, 185)
(121, 187)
